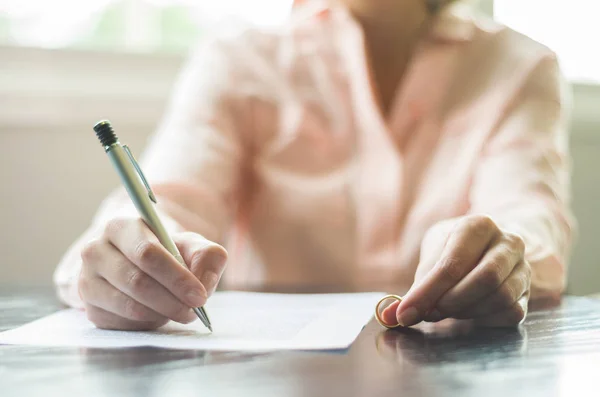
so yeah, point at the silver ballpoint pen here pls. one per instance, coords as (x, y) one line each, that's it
(140, 193)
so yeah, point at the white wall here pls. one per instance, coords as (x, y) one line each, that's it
(53, 172)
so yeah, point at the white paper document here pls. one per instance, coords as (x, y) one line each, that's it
(242, 321)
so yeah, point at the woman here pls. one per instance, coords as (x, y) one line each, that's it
(404, 142)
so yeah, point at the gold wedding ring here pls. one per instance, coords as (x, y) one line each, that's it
(378, 313)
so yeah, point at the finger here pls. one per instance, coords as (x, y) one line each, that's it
(493, 269)
(516, 285)
(388, 315)
(204, 258)
(510, 317)
(432, 247)
(462, 252)
(107, 320)
(99, 293)
(131, 280)
(137, 242)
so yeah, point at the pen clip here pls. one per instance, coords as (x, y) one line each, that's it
(140, 173)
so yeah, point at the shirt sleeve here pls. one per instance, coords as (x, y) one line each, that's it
(194, 162)
(523, 178)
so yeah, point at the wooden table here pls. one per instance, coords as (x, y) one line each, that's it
(556, 353)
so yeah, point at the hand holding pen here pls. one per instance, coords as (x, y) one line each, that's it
(135, 275)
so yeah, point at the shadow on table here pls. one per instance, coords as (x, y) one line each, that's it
(451, 342)
(454, 341)
(139, 357)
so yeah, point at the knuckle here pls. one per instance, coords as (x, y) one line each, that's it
(151, 266)
(90, 250)
(147, 252)
(515, 241)
(523, 281)
(450, 269)
(137, 280)
(492, 276)
(506, 295)
(115, 225)
(133, 310)
(212, 257)
(221, 256)
(83, 285)
(481, 225)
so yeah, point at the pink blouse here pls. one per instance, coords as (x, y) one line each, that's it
(275, 147)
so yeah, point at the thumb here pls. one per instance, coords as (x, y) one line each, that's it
(204, 258)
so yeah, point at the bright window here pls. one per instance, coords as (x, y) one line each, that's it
(127, 25)
(569, 27)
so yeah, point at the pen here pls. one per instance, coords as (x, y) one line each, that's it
(140, 193)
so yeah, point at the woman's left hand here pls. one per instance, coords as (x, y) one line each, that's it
(473, 271)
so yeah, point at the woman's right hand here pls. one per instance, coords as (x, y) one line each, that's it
(129, 281)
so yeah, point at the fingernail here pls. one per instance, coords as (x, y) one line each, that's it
(195, 298)
(409, 317)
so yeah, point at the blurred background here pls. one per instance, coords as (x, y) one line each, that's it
(65, 64)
